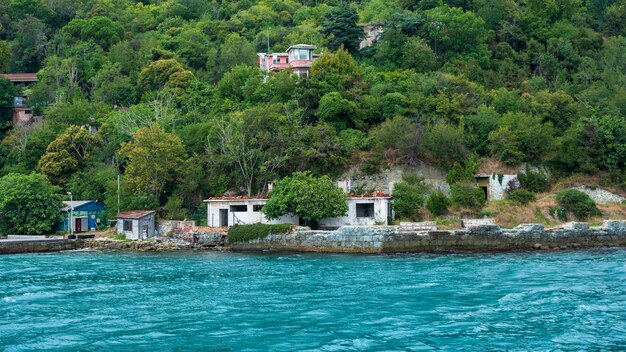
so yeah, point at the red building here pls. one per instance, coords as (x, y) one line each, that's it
(298, 59)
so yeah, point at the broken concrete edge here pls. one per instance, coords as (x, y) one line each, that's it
(383, 239)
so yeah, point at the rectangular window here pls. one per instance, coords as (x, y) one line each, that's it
(128, 225)
(257, 208)
(302, 73)
(276, 60)
(238, 208)
(365, 210)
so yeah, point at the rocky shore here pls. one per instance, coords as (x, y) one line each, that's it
(485, 238)
(174, 242)
(361, 239)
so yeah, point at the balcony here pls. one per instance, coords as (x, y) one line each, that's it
(20, 101)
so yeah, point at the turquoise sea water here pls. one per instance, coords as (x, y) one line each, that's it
(292, 302)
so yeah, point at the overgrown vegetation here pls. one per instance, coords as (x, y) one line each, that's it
(182, 113)
(408, 197)
(437, 203)
(243, 233)
(521, 196)
(306, 196)
(575, 202)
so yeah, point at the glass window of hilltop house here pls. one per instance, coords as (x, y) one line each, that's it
(128, 225)
(300, 54)
(302, 73)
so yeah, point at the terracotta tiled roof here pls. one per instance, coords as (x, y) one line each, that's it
(350, 196)
(238, 198)
(370, 195)
(134, 214)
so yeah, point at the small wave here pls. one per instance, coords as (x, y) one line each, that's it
(30, 296)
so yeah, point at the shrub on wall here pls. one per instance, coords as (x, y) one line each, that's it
(438, 203)
(577, 203)
(522, 196)
(467, 194)
(534, 181)
(243, 233)
(408, 196)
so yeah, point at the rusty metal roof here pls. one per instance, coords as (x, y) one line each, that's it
(20, 77)
(134, 214)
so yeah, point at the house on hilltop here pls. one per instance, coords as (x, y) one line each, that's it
(298, 59)
(22, 113)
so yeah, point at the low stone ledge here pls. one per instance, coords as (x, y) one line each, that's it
(37, 246)
(485, 237)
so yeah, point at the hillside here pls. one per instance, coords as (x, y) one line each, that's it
(168, 93)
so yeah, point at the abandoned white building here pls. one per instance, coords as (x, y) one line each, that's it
(374, 209)
(495, 186)
(136, 224)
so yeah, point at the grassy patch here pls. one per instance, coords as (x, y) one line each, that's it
(243, 233)
(119, 237)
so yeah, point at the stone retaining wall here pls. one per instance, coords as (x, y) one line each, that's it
(35, 246)
(389, 239)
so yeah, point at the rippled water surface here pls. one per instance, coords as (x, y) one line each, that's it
(279, 302)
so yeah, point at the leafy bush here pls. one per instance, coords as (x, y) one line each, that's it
(243, 233)
(408, 196)
(577, 203)
(437, 203)
(467, 194)
(534, 181)
(522, 196)
(309, 197)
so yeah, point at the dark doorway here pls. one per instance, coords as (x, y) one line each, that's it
(485, 192)
(78, 227)
(223, 217)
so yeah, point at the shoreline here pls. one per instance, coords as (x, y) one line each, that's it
(361, 240)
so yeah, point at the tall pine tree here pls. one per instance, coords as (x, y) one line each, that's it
(341, 28)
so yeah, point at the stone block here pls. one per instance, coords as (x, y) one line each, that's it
(616, 226)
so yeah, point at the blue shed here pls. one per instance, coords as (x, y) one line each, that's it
(87, 215)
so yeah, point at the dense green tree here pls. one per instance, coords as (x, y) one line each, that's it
(29, 44)
(5, 56)
(153, 160)
(408, 197)
(67, 154)
(311, 198)
(522, 137)
(341, 28)
(29, 205)
(7, 90)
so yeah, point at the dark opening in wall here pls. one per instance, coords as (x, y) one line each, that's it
(238, 208)
(365, 210)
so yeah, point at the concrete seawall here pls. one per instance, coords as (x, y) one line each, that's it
(36, 246)
(390, 239)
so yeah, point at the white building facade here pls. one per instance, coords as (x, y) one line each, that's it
(495, 186)
(362, 210)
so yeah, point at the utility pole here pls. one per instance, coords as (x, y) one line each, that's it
(71, 213)
(118, 193)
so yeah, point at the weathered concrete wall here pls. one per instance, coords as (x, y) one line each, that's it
(389, 239)
(601, 196)
(164, 227)
(35, 246)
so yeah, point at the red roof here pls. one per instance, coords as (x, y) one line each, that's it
(20, 77)
(240, 198)
(134, 214)
(370, 195)
(350, 196)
